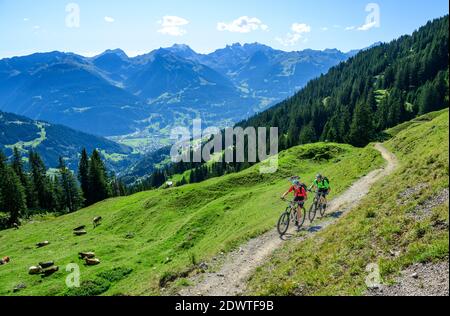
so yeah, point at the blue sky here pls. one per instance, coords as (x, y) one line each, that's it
(139, 26)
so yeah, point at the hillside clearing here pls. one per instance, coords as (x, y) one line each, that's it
(163, 235)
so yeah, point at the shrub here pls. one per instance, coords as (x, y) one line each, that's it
(4, 220)
(92, 287)
(116, 274)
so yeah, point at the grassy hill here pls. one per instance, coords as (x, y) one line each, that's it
(403, 220)
(154, 237)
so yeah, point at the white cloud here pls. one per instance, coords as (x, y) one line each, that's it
(298, 29)
(36, 27)
(108, 19)
(367, 26)
(324, 28)
(244, 24)
(349, 28)
(172, 25)
(289, 40)
(26, 19)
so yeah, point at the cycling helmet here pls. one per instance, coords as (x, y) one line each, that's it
(319, 176)
(296, 181)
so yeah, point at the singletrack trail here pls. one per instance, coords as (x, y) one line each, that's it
(238, 265)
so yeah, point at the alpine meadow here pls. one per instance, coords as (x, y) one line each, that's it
(109, 188)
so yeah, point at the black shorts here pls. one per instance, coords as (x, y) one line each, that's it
(323, 192)
(300, 200)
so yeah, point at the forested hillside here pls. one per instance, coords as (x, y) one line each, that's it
(52, 141)
(378, 88)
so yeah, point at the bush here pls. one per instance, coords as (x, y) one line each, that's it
(93, 287)
(100, 284)
(115, 275)
(4, 220)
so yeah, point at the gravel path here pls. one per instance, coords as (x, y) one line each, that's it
(430, 279)
(238, 265)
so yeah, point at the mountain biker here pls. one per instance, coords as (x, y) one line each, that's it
(300, 196)
(322, 184)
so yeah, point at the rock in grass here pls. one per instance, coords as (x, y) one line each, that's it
(47, 264)
(34, 270)
(80, 232)
(92, 262)
(82, 227)
(84, 255)
(42, 244)
(203, 266)
(19, 287)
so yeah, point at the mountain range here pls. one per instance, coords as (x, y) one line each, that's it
(130, 99)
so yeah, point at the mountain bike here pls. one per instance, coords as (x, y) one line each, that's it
(318, 204)
(291, 215)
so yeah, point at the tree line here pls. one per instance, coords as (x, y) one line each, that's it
(30, 188)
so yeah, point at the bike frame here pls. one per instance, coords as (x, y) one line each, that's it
(293, 208)
(319, 198)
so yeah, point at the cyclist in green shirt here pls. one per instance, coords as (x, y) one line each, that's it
(322, 184)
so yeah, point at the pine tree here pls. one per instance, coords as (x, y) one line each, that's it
(25, 180)
(361, 127)
(307, 134)
(42, 184)
(98, 182)
(428, 99)
(72, 198)
(11, 192)
(83, 175)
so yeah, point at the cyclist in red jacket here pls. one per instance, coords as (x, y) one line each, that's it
(300, 196)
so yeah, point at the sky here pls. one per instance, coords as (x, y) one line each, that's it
(89, 27)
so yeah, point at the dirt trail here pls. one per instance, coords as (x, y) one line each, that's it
(238, 265)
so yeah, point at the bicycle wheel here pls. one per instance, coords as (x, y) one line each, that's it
(283, 222)
(322, 209)
(303, 217)
(312, 212)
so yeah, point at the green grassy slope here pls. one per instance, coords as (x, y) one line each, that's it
(152, 236)
(401, 215)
